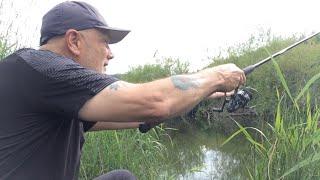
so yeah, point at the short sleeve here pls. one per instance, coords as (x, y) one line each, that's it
(62, 85)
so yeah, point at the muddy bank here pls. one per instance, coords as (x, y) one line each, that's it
(205, 118)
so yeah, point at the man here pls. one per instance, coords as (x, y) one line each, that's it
(51, 96)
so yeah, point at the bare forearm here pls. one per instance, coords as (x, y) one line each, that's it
(183, 92)
(100, 126)
(161, 99)
(155, 100)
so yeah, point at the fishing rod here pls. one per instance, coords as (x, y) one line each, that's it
(247, 70)
(241, 97)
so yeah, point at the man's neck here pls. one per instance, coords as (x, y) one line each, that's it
(57, 50)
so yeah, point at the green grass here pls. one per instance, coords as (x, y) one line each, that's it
(5, 48)
(160, 69)
(142, 154)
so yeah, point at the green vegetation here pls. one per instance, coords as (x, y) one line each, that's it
(161, 69)
(5, 49)
(289, 147)
(285, 144)
(298, 64)
(142, 154)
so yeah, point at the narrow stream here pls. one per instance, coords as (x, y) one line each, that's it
(198, 155)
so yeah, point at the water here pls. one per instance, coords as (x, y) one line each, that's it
(198, 155)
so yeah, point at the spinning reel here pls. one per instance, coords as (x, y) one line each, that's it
(239, 99)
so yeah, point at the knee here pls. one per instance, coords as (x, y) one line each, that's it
(126, 175)
(119, 174)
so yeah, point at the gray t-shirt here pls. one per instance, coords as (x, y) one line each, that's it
(41, 135)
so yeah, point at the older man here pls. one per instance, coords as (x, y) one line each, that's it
(51, 96)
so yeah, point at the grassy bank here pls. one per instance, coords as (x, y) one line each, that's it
(142, 154)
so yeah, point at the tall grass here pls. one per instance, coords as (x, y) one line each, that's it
(142, 154)
(289, 147)
(160, 69)
(5, 48)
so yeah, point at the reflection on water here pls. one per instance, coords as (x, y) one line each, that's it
(198, 156)
(214, 164)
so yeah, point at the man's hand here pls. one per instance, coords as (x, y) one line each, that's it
(220, 95)
(230, 75)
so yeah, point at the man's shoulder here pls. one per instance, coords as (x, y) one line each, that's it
(35, 55)
(45, 61)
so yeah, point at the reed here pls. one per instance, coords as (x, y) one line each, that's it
(289, 147)
(142, 154)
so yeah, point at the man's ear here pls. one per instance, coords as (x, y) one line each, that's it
(72, 38)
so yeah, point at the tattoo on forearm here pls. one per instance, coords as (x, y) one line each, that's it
(184, 83)
(117, 85)
(114, 86)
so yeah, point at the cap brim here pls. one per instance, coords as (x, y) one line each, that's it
(115, 35)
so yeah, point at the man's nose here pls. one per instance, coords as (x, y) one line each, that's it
(109, 54)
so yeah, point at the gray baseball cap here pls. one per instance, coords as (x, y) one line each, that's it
(79, 16)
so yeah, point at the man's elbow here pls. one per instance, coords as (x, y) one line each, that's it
(161, 108)
(150, 106)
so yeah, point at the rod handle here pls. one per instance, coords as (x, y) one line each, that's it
(247, 70)
(145, 127)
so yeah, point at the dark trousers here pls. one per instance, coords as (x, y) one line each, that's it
(117, 175)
